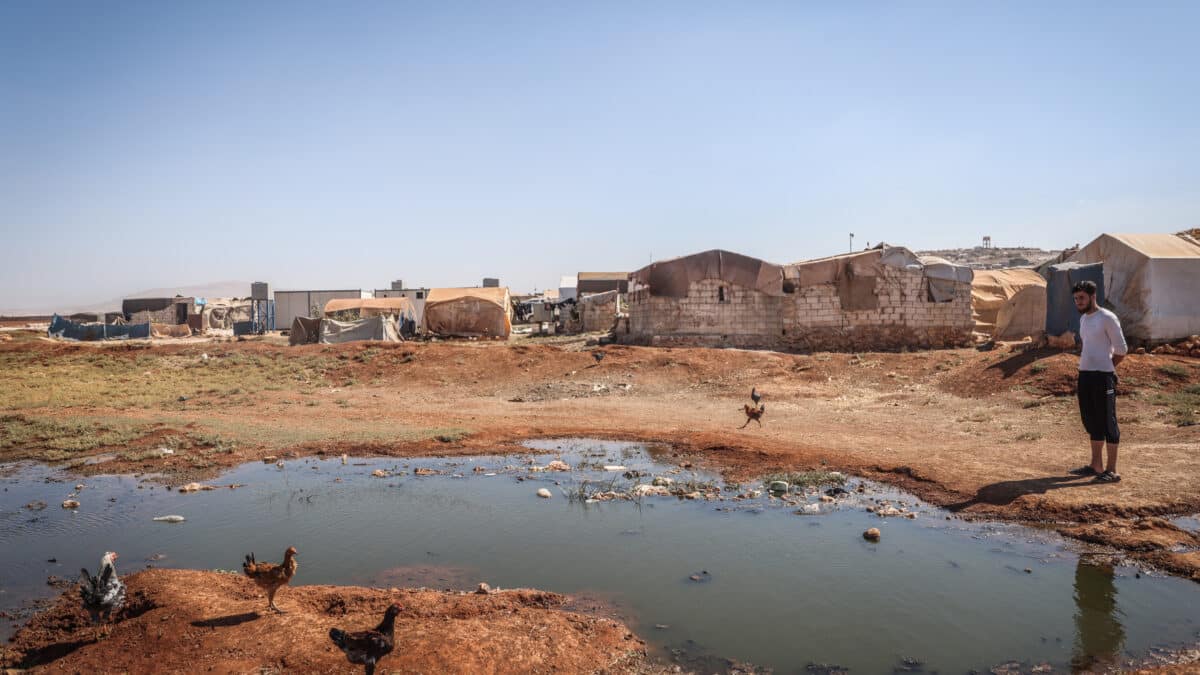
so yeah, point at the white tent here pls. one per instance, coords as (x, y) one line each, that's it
(1151, 282)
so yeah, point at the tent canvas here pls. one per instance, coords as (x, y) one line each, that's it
(468, 312)
(1009, 304)
(367, 307)
(305, 331)
(672, 278)
(1151, 281)
(380, 328)
(1061, 315)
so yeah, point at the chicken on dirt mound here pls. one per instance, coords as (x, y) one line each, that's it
(104, 593)
(367, 647)
(272, 577)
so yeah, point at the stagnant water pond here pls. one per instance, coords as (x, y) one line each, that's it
(797, 593)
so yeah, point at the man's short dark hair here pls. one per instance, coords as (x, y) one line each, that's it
(1088, 287)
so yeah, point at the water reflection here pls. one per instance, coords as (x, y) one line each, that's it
(1099, 635)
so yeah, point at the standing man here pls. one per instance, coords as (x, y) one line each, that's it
(1103, 348)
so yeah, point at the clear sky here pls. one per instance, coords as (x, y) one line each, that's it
(345, 144)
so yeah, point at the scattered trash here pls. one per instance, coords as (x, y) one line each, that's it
(379, 473)
(70, 504)
(700, 577)
(344, 459)
(37, 505)
(778, 486)
(483, 589)
(872, 534)
(644, 490)
(170, 519)
(614, 467)
(165, 451)
(809, 510)
(268, 459)
(195, 487)
(422, 471)
(543, 493)
(79, 487)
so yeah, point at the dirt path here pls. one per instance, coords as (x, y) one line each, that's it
(182, 621)
(983, 433)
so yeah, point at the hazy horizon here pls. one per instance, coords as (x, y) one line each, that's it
(308, 145)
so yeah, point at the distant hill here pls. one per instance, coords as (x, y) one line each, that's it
(217, 289)
(981, 258)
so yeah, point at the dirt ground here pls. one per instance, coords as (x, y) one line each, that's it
(185, 621)
(983, 433)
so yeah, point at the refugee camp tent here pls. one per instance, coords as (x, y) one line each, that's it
(1061, 315)
(305, 331)
(468, 312)
(380, 328)
(1151, 282)
(1009, 304)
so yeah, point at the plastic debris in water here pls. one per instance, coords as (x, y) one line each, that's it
(170, 519)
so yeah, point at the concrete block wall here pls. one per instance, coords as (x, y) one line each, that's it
(596, 316)
(811, 319)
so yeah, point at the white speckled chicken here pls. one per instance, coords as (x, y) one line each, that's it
(104, 593)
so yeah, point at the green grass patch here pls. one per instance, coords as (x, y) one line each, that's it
(1038, 368)
(807, 478)
(59, 439)
(1175, 370)
(1182, 405)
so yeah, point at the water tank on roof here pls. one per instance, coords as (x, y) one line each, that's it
(259, 291)
(489, 282)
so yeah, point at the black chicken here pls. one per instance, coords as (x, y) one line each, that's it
(104, 593)
(367, 647)
(598, 355)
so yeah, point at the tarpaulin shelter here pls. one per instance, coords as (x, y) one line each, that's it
(672, 278)
(854, 275)
(1061, 315)
(305, 331)
(1009, 304)
(1151, 282)
(71, 330)
(379, 328)
(222, 313)
(468, 312)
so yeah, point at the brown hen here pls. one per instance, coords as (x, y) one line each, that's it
(272, 577)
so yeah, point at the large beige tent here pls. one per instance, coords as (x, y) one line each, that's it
(1150, 282)
(468, 312)
(1009, 304)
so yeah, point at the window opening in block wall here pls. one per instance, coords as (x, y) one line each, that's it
(721, 294)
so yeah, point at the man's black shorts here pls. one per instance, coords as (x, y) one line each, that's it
(1097, 393)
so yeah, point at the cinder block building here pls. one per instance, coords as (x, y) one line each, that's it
(885, 298)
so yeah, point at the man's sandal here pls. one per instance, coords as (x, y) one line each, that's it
(1108, 477)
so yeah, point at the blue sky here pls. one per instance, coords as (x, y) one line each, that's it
(149, 144)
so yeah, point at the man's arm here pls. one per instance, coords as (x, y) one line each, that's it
(1117, 339)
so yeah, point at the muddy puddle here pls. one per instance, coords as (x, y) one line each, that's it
(784, 581)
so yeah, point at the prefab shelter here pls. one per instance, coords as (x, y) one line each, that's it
(1151, 282)
(291, 304)
(1009, 304)
(1061, 315)
(468, 312)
